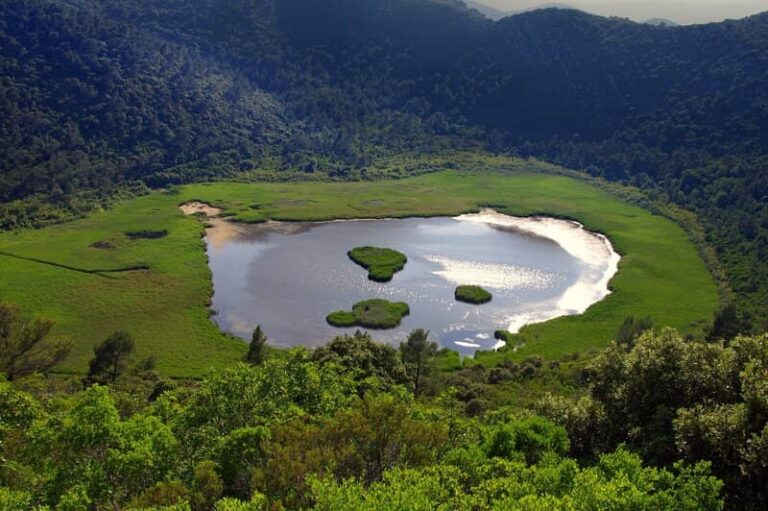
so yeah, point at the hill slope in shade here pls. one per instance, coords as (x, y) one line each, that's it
(99, 93)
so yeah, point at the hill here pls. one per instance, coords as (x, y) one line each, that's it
(102, 93)
(662, 22)
(486, 10)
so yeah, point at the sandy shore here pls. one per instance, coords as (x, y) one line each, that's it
(219, 231)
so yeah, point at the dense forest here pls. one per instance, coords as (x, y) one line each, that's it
(660, 422)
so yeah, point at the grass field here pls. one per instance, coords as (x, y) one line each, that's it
(162, 299)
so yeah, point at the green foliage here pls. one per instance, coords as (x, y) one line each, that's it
(363, 358)
(207, 486)
(381, 263)
(530, 438)
(110, 358)
(297, 433)
(26, 346)
(240, 453)
(108, 131)
(472, 294)
(728, 323)
(617, 481)
(256, 348)
(257, 503)
(375, 313)
(669, 398)
(14, 500)
(162, 494)
(418, 354)
(95, 450)
(632, 328)
(372, 435)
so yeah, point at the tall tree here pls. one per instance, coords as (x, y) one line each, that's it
(110, 357)
(26, 345)
(417, 352)
(255, 355)
(632, 328)
(728, 323)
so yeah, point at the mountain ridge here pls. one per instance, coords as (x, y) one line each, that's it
(163, 91)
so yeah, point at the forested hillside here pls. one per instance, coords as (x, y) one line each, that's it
(98, 93)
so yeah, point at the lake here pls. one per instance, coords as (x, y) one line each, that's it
(288, 276)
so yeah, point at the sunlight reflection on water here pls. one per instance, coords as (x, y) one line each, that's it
(288, 277)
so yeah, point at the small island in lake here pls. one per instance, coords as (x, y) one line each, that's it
(475, 295)
(376, 314)
(381, 263)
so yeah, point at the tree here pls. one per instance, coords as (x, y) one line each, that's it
(616, 481)
(25, 344)
(255, 355)
(208, 486)
(632, 328)
(728, 323)
(417, 352)
(111, 458)
(110, 357)
(529, 438)
(669, 398)
(364, 358)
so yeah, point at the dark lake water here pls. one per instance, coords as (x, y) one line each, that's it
(288, 277)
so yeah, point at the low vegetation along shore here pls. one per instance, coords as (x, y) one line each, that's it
(376, 314)
(165, 306)
(381, 263)
(474, 295)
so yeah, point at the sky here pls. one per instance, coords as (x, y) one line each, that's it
(681, 11)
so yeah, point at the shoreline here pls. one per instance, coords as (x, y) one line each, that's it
(592, 249)
(579, 242)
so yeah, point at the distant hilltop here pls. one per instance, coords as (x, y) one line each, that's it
(497, 14)
(662, 22)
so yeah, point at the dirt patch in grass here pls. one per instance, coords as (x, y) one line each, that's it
(102, 245)
(196, 208)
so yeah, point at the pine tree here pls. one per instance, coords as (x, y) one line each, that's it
(256, 355)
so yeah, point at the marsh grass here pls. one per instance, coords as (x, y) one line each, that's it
(375, 314)
(165, 308)
(474, 295)
(381, 263)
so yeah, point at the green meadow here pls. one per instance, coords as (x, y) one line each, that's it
(93, 277)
